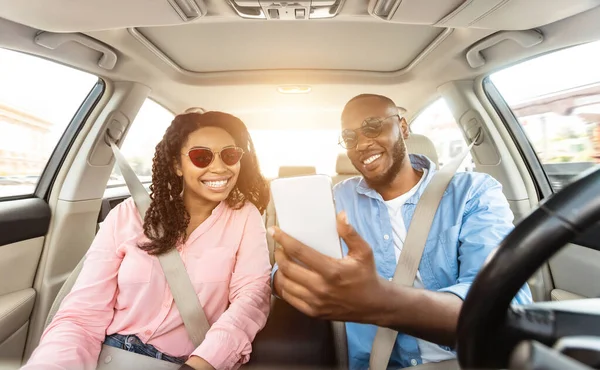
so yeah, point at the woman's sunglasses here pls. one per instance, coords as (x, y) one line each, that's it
(202, 157)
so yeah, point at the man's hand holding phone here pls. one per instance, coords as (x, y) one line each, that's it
(347, 289)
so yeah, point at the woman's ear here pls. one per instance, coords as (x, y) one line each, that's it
(404, 128)
(178, 170)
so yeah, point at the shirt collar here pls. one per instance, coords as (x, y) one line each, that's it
(419, 163)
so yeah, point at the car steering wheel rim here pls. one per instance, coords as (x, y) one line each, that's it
(534, 240)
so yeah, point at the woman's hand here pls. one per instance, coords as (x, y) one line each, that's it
(197, 363)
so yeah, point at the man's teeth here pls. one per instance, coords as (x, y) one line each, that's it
(371, 159)
(215, 184)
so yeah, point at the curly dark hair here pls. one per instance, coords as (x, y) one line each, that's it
(167, 219)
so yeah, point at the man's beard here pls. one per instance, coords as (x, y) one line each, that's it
(398, 156)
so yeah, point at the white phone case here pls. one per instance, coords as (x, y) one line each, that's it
(305, 210)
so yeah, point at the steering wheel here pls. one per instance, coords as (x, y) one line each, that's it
(492, 335)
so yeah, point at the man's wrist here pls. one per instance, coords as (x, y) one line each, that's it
(384, 303)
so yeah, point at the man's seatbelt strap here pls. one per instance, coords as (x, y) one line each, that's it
(410, 257)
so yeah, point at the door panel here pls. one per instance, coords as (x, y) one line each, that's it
(23, 224)
(576, 269)
(18, 263)
(74, 226)
(563, 295)
(23, 219)
(11, 349)
(14, 311)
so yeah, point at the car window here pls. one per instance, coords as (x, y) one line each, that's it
(38, 99)
(556, 99)
(274, 148)
(311, 147)
(438, 124)
(146, 130)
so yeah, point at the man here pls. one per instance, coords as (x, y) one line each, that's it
(375, 212)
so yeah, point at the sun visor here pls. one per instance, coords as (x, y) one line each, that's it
(96, 15)
(484, 14)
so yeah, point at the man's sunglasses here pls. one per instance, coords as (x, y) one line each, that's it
(202, 157)
(370, 128)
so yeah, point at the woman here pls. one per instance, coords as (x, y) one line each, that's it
(207, 198)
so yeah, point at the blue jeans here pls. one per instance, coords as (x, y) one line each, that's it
(133, 344)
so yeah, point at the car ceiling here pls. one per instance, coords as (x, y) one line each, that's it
(220, 61)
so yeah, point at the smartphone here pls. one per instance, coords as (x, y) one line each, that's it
(305, 210)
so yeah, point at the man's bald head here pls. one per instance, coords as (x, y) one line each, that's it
(367, 99)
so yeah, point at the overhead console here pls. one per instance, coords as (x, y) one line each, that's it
(287, 10)
(485, 14)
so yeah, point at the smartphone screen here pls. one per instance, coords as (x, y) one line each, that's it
(305, 210)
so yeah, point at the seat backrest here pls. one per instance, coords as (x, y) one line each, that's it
(421, 144)
(415, 144)
(344, 169)
(290, 171)
(270, 216)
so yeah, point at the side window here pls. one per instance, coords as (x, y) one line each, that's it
(38, 99)
(438, 124)
(146, 130)
(556, 99)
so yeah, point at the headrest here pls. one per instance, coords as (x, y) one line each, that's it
(415, 144)
(420, 144)
(290, 171)
(343, 166)
(195, 110)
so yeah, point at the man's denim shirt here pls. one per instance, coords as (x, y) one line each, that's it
(472, 219)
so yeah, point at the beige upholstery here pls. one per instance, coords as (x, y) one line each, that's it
(420, 144)
(290, 171)
(563, 295)
(14, 311)
(270, 217)
(344, 169)
(415, 144)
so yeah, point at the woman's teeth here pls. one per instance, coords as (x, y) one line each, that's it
(371, 159)
(215, 184)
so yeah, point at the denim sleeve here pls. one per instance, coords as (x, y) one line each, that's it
(486, 221)
(273, 271)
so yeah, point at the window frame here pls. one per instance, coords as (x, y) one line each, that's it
(519, 137)
(534, 165)
(155, 101)
(64, 144)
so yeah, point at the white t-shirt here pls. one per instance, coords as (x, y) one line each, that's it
(430, 352)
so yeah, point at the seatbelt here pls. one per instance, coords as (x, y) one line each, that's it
(414, 244)
(179, 282)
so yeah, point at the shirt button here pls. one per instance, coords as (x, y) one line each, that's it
(414, 362)
(386, 236)
(148, 332)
